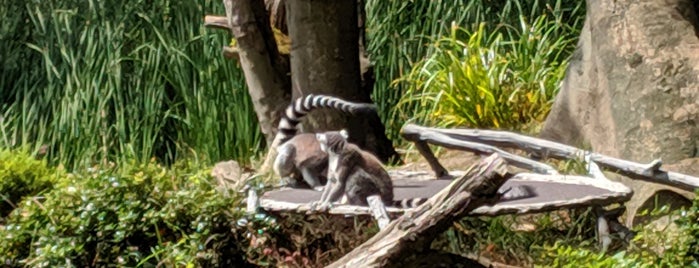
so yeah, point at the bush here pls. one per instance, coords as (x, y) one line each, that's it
(22, 175)
(477, 79)
(134, 216)
(650, 247)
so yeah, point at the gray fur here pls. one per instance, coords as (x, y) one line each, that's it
(352, 172)
(355, 174)
(300, 158)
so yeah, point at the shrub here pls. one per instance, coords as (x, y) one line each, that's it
(137, 215)
(484, 80)
(650, 248)
(22, 175)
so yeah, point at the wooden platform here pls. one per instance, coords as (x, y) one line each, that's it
(532, 193)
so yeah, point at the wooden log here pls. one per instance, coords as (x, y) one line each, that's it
(649, 172)
(427, 135)
(414, 231)
(218, 22)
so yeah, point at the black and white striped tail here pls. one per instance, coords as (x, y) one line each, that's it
(302, 106)
(409, 202)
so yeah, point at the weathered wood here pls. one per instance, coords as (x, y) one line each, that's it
(415, 231)
(253, 201)
(428, 135)
(426, 152)
(608, 224)
(648, 172)
(219, 22)
(263, 67)
(378, 210)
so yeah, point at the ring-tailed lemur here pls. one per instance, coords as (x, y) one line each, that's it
(355, 173)
(299, 156)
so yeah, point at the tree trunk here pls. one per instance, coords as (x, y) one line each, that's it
(325, 60)
(265, 71)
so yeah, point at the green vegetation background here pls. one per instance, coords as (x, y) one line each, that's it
(129, 103)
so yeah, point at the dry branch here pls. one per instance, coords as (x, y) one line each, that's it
(414, 231)
(421, 135)
(648, 172)
(219, 22)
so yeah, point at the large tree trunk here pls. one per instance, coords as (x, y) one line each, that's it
(265, 71)
(632, 86)
(325, 60)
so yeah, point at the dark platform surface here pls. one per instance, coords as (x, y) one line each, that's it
(528, 195)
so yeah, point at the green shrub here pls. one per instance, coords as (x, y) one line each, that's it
(22, 175)
(397, 33)
(137, 215)
(488, 80)
(650, 248)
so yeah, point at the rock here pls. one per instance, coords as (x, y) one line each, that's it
(228, 175)
(632, 88)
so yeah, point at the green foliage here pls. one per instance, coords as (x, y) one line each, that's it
(22, 175)
(651, 247)
(100, 81)
(488, 81)
(514, 239)
(135, 215)
(521, 43)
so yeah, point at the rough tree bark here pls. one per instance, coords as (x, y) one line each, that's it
(265, 72)
(325, 60)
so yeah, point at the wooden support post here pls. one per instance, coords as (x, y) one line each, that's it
(608, 224)
(413, 232)
(426, 152)
(253, 201)
(378, 210)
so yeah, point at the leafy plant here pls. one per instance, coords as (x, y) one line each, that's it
(135, 215)
(532, 45)
(484, 80)
(21, 175)
(651, 247)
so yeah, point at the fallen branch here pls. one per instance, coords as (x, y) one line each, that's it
(420, 135)
(414, 231)
(648, 172)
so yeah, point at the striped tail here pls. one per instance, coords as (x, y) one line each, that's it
(300, 107)
(409, 202)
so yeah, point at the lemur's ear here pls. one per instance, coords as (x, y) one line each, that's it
(344, 133)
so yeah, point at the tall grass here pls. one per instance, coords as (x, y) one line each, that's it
(95, 81)
(403, 34)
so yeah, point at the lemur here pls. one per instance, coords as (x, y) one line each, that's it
(299, 156)
(354, 173)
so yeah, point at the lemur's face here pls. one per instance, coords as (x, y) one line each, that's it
(332, 141)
